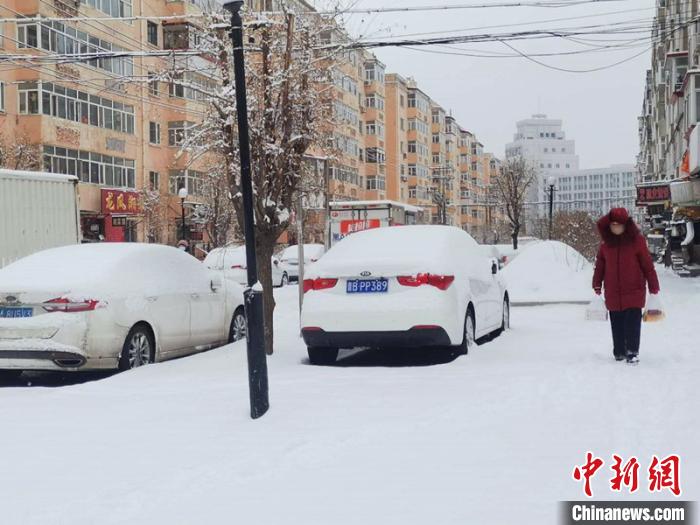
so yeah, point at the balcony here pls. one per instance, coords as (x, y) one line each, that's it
(686, 193)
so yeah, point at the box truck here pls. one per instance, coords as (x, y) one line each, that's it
(37, 211)
(348, 217)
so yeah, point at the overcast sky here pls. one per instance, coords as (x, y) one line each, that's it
(488, 95)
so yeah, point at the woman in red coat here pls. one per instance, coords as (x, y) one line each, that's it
(623, 269)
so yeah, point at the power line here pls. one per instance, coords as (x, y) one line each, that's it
(543, 4)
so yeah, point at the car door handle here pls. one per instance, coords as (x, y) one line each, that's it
(194, 295)
(151, 299)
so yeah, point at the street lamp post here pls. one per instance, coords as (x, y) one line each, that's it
(257, 361)
(182, 193)
(551, 181)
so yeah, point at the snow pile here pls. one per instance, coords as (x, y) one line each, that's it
(549, 271)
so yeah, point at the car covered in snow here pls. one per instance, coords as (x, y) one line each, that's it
(407, 286)
(231, 261)
(112, 306)
(289, 258)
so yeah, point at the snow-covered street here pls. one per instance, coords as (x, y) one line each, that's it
(488, 438)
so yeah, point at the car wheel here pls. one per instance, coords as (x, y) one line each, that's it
(469, 339)
(285, 279)
(138, 349)
(239, 326)
(9, 375)
(505, 325)
(322, 355)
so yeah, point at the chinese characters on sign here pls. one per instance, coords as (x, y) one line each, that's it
(650, 194)
(663, 474)
(120, 202)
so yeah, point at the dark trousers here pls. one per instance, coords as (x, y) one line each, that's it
(626, 328)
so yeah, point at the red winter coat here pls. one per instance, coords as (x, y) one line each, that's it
(624, 267)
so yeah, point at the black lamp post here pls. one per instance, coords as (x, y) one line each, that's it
(255, 335)
(182, 193)
(551, 181)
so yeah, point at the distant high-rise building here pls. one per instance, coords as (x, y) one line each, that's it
(543, 143)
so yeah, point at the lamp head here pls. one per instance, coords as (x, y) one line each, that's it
(182, 193)
(552, 181)
(233, 5)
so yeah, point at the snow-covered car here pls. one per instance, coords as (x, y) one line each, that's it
(112, 306)
(231, 261)
(289, 258)
(409, 286)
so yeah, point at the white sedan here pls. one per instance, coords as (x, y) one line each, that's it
(408, 286)
(112, 306)
(289, 258)
(231, 260)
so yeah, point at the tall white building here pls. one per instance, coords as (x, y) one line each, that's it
(542, 141)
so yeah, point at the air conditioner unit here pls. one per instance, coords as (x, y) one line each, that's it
(404, 178)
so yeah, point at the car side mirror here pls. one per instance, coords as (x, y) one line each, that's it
(216, 283)
(494, 268)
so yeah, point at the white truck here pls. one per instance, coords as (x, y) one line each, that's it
(37, 211)
(348, 217)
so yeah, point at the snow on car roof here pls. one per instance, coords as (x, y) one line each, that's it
(111, 268)
(309, 249)
(425, 247)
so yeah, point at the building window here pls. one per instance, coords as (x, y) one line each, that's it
(152, 33)
(2, 96)
(376, 183)
(28, 98)
(152, 84)
(402, 102)
(57, 37)
(154, 133)
(65, 103)
(374, 73)
(178, 132)
(154, 180)
(115, 8)
(375, 156)
(91, 167)
(190, 179)
(375, 101)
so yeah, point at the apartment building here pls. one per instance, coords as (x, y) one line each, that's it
(118, 137)
(669, 135)
(118, 123)
(396, 137)
(418, 149)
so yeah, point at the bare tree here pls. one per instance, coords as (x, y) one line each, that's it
(510, 188)
(20, 153)
(578, 230)
(285, 112)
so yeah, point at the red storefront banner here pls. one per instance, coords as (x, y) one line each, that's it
(652, 194)
(352, 226)
(120, 202)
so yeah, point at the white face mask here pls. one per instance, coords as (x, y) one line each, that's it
(617, 229)
(183, 248)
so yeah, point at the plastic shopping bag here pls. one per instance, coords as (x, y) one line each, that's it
(654, 311)
(596, 310)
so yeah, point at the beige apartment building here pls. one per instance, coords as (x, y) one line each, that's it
(118, 124)
(102, 120)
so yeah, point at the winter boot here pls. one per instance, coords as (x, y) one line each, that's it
(633, 359)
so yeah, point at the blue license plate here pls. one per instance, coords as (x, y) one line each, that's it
(15, 312)
(367, 286)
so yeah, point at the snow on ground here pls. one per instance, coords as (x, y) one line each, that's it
(489, 438)
(549, 271)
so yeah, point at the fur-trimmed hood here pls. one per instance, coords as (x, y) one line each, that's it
(630, 235)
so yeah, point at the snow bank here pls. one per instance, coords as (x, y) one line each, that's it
(549, 271)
